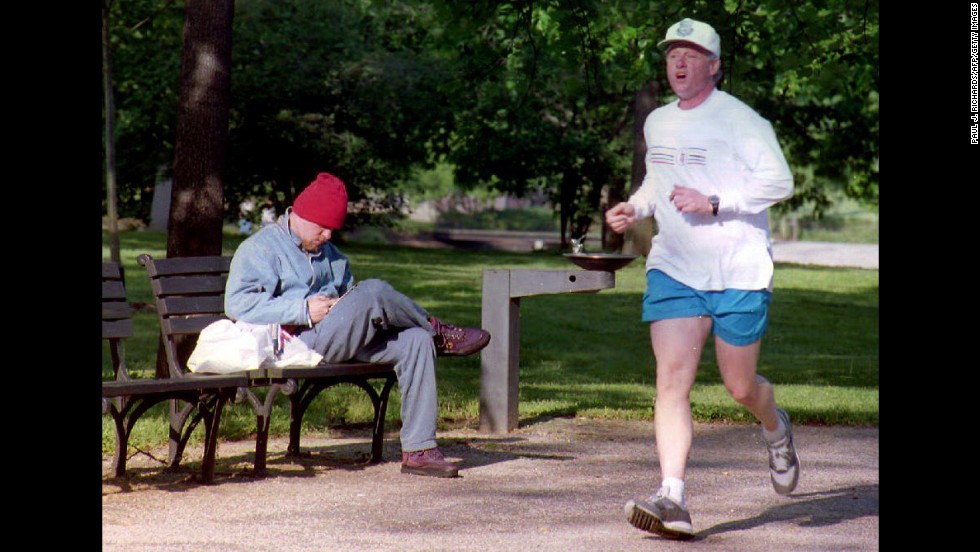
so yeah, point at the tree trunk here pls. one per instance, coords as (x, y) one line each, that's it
(637, 237)
(110, 142)
(197, 196)
(565, 209)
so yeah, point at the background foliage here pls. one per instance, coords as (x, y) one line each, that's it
(519, 96)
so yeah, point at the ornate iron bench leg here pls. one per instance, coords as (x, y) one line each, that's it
(380, 410)
(122, 441)
(178, 433)
(299, 401)
(212, 419)
(263, 415)
(262, 422)
(125, 418)
(125, 414)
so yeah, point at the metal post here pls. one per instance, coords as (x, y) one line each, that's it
(499, 367)
(501, 316)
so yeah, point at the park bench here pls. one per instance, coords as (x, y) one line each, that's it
(189, 295)
(126, 399)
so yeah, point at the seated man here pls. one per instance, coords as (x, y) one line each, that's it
(290, 273)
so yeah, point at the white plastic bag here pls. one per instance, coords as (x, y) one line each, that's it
(293, 352)
(225, 347)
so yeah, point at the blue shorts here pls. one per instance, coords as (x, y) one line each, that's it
(739, 317)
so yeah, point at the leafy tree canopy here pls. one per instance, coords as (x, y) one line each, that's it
(518, 95)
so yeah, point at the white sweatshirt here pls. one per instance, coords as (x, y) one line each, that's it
(721, 147)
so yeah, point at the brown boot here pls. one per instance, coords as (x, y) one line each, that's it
(428, 462)
(453, 340)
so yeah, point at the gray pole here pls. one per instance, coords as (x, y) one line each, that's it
(501, 316)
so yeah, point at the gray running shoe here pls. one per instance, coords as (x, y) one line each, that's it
(661, 515)
(784, 463)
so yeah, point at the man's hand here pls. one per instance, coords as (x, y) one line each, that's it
(689, 200)
(319, 306)
(620, 217)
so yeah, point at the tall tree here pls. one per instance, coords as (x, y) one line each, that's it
(110, 134)
(145, 38)
(197, 199)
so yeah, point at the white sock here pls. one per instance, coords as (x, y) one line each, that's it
(674, 488)
(776, 434)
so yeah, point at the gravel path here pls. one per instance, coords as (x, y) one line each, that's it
(557, 485)
(856, 255)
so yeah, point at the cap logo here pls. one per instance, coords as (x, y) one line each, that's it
(685, 28)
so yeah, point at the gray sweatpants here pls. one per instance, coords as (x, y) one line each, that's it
(377, 323)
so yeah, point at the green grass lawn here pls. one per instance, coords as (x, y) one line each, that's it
(581, 355)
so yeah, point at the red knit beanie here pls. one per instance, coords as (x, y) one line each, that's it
(324, 202)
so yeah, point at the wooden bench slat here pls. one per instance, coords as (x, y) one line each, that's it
(189, 285)
(113, 289)
(117, 328)
(183, 326)
(188, 265)
(117, 313)
(116, 310)
(170, 306)
(331, 369)
(111, 271)
(194, 382)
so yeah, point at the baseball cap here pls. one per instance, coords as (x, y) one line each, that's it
(695, 32)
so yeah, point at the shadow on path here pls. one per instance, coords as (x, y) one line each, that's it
(817, 509)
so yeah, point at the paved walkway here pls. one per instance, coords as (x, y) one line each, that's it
(557, 485)
(800, 252)
(857, 255)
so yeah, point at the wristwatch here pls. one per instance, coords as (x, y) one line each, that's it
(713, 199)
